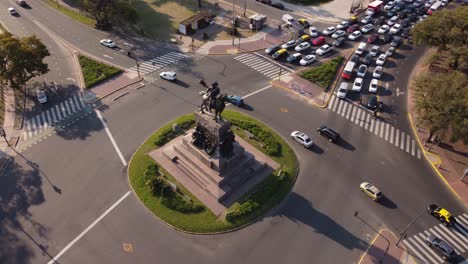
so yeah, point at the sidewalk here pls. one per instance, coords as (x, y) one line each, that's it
(262, 40)
(383, 249)
(332, 12)
(12, 134)
(449, 160)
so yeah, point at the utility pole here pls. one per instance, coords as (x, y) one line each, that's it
(388, 241)
(233, 22)
(403, 234)
(245, 7)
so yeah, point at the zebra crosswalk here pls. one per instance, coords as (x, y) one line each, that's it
(456, 236)
(364, 118)
(259, 64)
(159, 62)
(52, 116)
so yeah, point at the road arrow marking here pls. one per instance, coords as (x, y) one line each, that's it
(398, 92)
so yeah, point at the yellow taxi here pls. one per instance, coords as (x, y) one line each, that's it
(280, 53)
(353, 19)
(442, 214)
(370, 190)
(303, 22)
(304, 38)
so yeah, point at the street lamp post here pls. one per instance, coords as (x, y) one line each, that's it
(3, 134)
(375, 230)
(403, 233)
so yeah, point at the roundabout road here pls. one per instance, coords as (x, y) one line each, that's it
(64, 209)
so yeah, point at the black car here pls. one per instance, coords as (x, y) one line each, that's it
(406, 32)
(294, 58)
(386, 38)
(421, 11)
(367, 60)
(278, 5)
(396, 42)
(412, 17)
(405, 22)
(354, 58)
(339, 41)
(329, 133)
(399, 6)
(402, 14)
(272, 49)
(380, 21)
(390, 13)
(373, 103)
(444, 249)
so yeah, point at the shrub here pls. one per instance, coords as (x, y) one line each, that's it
(95, 72)
(158, 186)
(324, 74)
(151, 171)
(272, 147)
(164, 134)
(242, 210)
(178, 203)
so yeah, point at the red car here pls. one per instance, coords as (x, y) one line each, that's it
(372, 38)
(318, 41)
(353, 28)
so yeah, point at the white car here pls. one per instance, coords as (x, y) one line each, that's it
(392, 21)
(355, 35)
(41, 96)
(367, 28)
(289, 44)
(418, 3)
(389, 5)
(302, 138)
(374, 51)
(307, 60)
(370, 12)
(313, 32)
(395, 29)
(374, 86)
(377, 72)
(328, 31)
(324, 50)
(342, 25)
(370, 190)
(362, 70)
(381, 60)
(302, 46)
(342, 90)
(366, 20)
(383, 29)
(339, 34)
(108, 43)
(170, 75)
(357, 85)
(390, 51)
(12, 11)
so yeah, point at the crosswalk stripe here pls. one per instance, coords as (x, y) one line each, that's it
(462, 246)
(382, 129)
(62, 108)
(156, 63)
(260, 65)
(408, 139)
(67, 107)
(77, 103)
(429, 250)
(271, 75)
(178, 55)
(465, 221)
(397, 137)
(242, 56)
(72, 105)
(368, 122)
(250, 59)
(83, 104)
(336, 105)
(268, 68)
(166, 60)
(419, 154)
(407, 242)
(341, 106)
(148, 66)
(422, 245)
(387, 129)
(59, 113)
(49, 118)
(344, 110)
(29, 126)
(357, 117)
(36, 124)
(402, 140)
(275, 71)
(444, 236)
(353, 114)
(363, 118)
(413, 147)
(46, 125)
(377, 125)
(54, 117)
(391, 134)
(348, 111)
(461, 236)
(331, 102)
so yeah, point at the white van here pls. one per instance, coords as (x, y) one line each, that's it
(288, 19)
(348, 70)
(361, 48)
(434, 7)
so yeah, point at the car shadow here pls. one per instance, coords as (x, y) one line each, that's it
(387, 77)
(316, 149)
(345, 144)
(181, 83)
(247, 107)
(398, 55)
(386, 202)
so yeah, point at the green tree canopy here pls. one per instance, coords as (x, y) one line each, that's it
(104, 11)
(442, 103)
(21, 59)
(446, 30)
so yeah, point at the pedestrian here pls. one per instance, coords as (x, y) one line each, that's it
(360, 100)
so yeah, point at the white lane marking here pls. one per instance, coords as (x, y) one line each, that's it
(341, 106)
(67, 247)
(346, 110)
(107, 56)
(336, 104)
(38, 123)
(54, 117)
(258, 91)
(111, 137)
(414, 251)
(357, 117)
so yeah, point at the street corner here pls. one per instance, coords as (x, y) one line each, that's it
(383, 249)
(293, 83)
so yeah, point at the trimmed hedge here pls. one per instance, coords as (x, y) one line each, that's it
(95, 72)
(242, 210)
(176, 202)
(271, 146)
(167, 133)
(324, 74)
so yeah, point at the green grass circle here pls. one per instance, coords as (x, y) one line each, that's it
(205, 221)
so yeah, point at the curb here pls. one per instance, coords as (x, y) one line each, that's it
(112, 92)
(432, 165)
(220, 232)
(379, 233)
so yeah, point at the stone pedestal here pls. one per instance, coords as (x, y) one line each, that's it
(216, 180)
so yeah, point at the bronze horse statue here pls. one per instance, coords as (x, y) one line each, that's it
(209, 103)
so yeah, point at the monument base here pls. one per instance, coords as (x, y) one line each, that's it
(198, 172)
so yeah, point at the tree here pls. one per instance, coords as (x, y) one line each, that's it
(446, 30)
(21, 59)
(104, 11)
(442, 103)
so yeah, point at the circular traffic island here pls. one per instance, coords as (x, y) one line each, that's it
(187, 183)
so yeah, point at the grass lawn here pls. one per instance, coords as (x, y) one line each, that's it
(308, 2)
(95, 72)
(324, 74)
(71, 13)
(206, 221)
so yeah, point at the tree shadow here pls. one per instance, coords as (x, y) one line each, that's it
(20, 188)
(303, 212)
